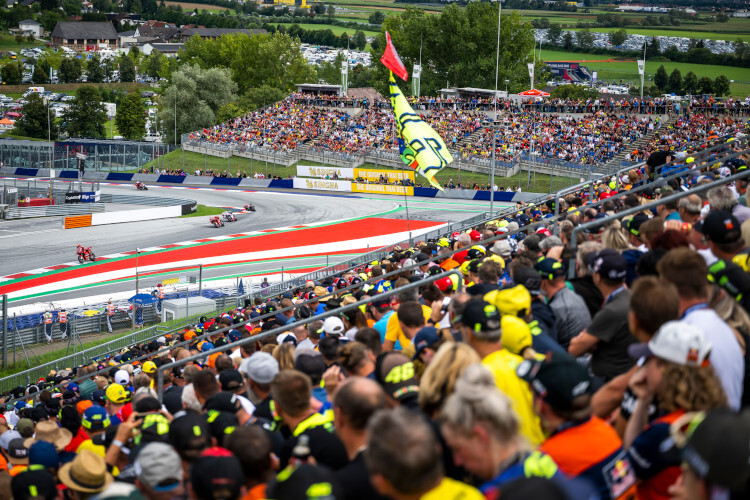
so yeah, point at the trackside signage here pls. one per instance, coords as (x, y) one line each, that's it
(323, 172)
(392, 175)
(323, 185)
(358, 187)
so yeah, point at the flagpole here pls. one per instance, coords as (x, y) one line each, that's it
(494, 119)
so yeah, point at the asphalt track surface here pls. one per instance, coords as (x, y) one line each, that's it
(37, 243)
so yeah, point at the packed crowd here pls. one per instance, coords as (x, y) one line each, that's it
(589, 140)
(397, 379)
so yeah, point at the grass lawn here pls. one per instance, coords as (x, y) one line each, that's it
(679, 31)
(628, 71)
(204, 210)
(539, 183)
(8, 42)
(337, 30)
(200, 6)
(110, 129)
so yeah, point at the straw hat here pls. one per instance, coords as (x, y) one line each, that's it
(87, 473)
(47, 430)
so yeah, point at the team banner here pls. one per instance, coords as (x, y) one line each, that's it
(360, 187)
(641, 66)
(322, 185)
(322, 172)
(420, 146)
(372, 175)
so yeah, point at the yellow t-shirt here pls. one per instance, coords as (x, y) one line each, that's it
(393, 329)
(89, 445)
(450, 489)
(503, 365)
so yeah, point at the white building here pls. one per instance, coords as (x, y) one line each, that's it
(30, 27)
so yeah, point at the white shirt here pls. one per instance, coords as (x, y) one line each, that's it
(305, 344)
(726, 353)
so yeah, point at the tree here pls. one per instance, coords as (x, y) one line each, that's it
(567, 40)
(660, 78)
(653, 49)
(196, 95)
(39, 77)
(554, 33)
(153, 63)
(359, 40)
(36, 118)
(584, 39)
(11, 74)
(127, 70)
(690, 83)
(722, 18)
(617, 38)
(70, 70)
(376, 17)
(86, 115)
(458, 47)
(94, 70)
(331, 12)
(721, 86)
(131, 117)
(706, 85)
(675, 81)
(574, 92)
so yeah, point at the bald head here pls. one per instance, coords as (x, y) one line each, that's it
(357, 399)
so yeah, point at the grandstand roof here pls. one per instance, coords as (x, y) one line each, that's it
(319, 88)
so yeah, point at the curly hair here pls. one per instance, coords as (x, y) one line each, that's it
(439, 379)
(690, 388)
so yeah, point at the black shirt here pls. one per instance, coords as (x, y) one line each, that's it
(354, 478)
(263, 409)
(325, 447)
(610, 326)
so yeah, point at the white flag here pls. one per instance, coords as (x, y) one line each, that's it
(641, 66)
(531, 70)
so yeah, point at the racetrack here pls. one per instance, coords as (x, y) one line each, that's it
(35, 246)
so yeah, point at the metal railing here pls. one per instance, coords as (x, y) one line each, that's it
(54, 210)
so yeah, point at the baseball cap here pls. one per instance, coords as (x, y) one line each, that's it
(95, 418)
(159, 467)
(261, 367)
(395, 374)
(230, 380)
(333, 326)
(445, 284)
(33, 482)
(635, 222)
(122, 377)
(223, 401)
(720, 226)
(421, 257)
(8, 436)
(559, 379)
(217, 475)
(155, 427)
(529, 278)
(475, 235)
(286, 337)
(676, 341)
(116, 393)
(189, 434)
(44, 453)
(549, 269)
(718, 447)
(515, 301)
(424, 338)
(310, 362)
(17, 452)
(480, 316)
(306, 482)
(25, 427)
(609, 264)
(149, 367)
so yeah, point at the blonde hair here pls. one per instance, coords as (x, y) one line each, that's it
(584, 249)
(439, 379)
(615, 239)
(690, 388)
(731, 312)
(478, 401)
(284, 354)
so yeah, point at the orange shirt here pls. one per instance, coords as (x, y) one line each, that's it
(257, 492)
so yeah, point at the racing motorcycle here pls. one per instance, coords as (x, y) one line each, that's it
(229, 216)
(141, 186)
(84, 254)
(216, 221)
(249, 207)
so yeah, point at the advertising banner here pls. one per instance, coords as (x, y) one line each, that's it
(312, 171)
(73, 197)
(90, 197)
(359, 187)
(374, 175)
(323, 185)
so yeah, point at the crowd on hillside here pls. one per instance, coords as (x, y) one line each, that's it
(612, 369)
(606, 128)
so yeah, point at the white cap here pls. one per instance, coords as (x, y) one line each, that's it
(333, 326)
(122, 377)
(677, 342)
(162, 340)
